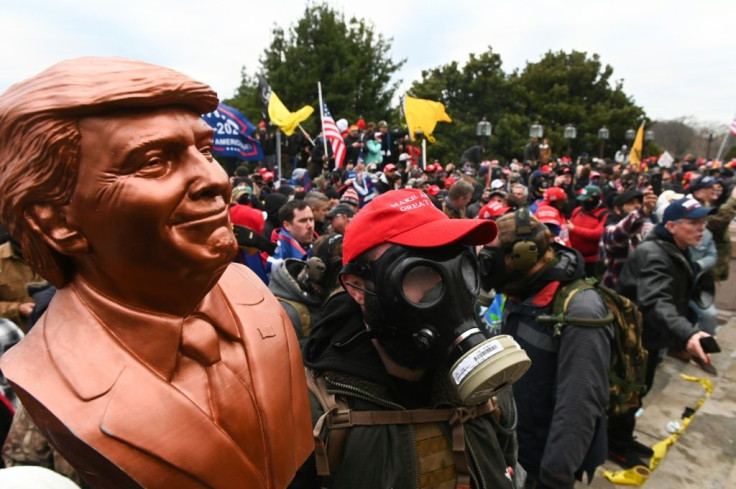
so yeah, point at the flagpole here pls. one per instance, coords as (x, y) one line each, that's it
(723, 145)
(424, 154)
(322, 121)
(305, 134)
(278, 156)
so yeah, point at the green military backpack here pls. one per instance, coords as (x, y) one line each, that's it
(627, 373)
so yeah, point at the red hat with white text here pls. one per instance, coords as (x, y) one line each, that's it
(408, 217)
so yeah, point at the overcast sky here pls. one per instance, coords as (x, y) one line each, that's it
(676, 58)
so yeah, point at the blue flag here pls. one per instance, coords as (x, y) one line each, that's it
(233, 134)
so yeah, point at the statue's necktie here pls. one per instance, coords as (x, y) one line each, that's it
(231, 402)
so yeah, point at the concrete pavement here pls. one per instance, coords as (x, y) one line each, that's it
(705, 453)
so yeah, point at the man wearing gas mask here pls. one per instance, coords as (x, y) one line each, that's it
(399, 364)
(562, 399)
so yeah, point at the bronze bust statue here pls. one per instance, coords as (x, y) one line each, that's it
(159, 363)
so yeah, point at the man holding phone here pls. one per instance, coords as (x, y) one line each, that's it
(660, 277)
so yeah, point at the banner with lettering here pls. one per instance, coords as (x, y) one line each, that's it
(233, 134)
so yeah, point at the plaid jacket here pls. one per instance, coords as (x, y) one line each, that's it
(620, 239)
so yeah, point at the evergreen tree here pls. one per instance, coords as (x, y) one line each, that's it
(349, 58)
(558, 90)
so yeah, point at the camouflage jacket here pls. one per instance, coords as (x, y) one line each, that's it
(26, 445)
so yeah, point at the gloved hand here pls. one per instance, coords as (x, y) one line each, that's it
(247, 238)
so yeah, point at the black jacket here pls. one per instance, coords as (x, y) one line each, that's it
(660, 278)
(340, 349)
(562, 399)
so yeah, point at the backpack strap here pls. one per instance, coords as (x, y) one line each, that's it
(305, 320)
(561, 305)
(338, 418)
(325, 460)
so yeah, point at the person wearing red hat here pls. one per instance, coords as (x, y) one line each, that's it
(551, 213)
(389, 179)
(243, 214)
(433, 192)
(386, 351)
(588, 221)
(493, 209)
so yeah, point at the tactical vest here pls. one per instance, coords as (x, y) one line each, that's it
(440, 465)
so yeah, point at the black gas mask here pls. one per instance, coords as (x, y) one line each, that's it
(523, 251)
(494, 274)
(539, 185)
(422, 312)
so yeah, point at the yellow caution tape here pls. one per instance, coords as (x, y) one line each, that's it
(636, 476)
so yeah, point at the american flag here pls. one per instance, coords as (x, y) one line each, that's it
(733, 126)
(332, 133)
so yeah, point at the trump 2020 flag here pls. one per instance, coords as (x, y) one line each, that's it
(233, 134)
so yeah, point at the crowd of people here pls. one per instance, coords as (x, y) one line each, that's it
(371, 261)
(657, 235)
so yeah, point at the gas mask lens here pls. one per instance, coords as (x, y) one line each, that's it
(422, 285)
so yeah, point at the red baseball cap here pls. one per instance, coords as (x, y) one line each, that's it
(408, 217)
(493, 209)
(554, 193)
(433, 190)
(548, 215)
(389, 167)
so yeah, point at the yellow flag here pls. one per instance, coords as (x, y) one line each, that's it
(637, 147)
(280, 115)
(423, 115)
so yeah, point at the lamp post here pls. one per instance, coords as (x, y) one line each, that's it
(536, 130)
(711, 137)
(603, 135)
(648, 136)
(570, 134)
(630, 135)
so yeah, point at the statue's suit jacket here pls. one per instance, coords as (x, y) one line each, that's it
(121, 425)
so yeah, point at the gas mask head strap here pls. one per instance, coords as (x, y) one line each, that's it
(361, 269)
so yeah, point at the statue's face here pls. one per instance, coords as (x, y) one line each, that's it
(150, 201)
